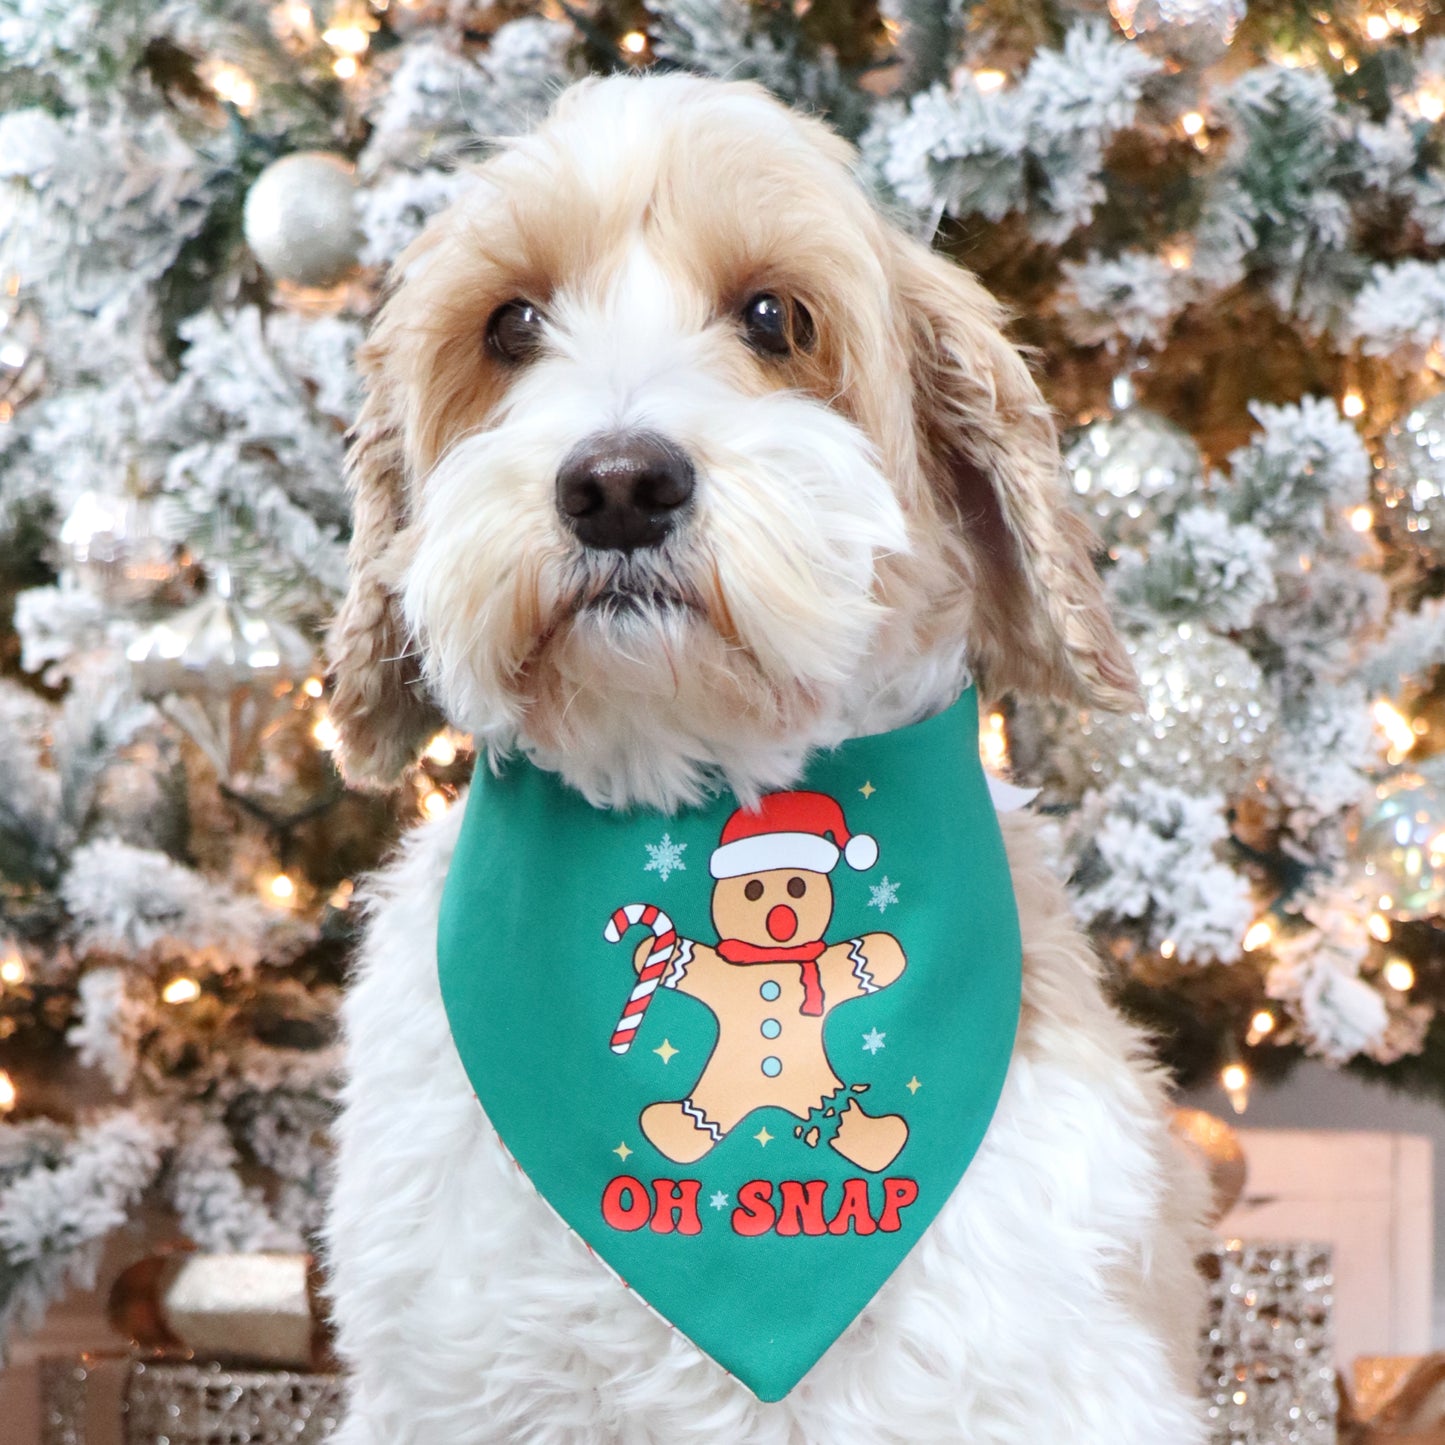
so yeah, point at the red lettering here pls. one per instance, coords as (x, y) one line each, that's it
(802, 1207)
(755, 1214)
(898, 1194)
(677, 1206)
(634, 1212)
(853, 1210)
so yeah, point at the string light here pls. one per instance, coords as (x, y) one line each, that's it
(8, 1092)
(12, 967)
(988, 81)
(634, 42)
(344, 67)
(282, 887)
(326, 733)
(1260, 1027)
(1192, 122)
(1353, 404)
(181, 990)
(442, 750)
(1396, 728)
(1258, 934)
(1179, 256)
(1168, 948)
(993, 742)
(1362, 519)
(1399, 974)
(230, 83)
(1234, 1079)
(313, 687)
(1379, 927)
(435, 804)
(341, 894)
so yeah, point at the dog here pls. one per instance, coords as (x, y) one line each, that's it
(679, 463)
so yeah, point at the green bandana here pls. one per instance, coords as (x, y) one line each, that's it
(745, 1054)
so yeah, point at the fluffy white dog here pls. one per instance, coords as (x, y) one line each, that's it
(678, 463)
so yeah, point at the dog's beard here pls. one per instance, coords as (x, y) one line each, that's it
(644, 676)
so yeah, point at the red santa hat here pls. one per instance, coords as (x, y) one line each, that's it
(790, 830)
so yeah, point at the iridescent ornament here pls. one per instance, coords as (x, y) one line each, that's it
(1412, 483)
(221, 673)
(300, 219)
(113, 545)
(1133, 470)
(1185, 27)
(1399, 845)
(1206, 720)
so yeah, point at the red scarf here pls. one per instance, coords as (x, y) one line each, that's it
(806, 955)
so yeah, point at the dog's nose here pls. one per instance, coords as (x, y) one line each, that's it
(619, 493)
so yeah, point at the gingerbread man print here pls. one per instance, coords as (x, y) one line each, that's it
(770, 981)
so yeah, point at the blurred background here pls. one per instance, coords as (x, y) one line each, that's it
(1221, 224)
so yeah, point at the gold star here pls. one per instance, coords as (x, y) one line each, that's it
(622, 1151)
(913, 1086)
(762, 1136)
(665, 1051)
(867, 790)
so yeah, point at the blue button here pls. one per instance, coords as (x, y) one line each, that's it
(770, 990)
(771, 1028)
(772, 1067)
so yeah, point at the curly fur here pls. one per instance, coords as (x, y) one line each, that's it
(877, 518)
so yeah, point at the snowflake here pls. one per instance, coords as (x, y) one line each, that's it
(873, 1041)
(719, 1200)
(882, 894)
(665, 858)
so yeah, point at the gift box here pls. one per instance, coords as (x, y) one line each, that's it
(90, 1400)
(1267, 1375)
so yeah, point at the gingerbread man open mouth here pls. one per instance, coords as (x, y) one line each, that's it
(770, 981)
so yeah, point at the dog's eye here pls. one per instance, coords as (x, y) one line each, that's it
(515, 331)
(776, 327)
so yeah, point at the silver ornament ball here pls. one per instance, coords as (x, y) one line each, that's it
(1412, 482)
(1132, 471)
(1399, 845)
(1205, 722)
(300, 219)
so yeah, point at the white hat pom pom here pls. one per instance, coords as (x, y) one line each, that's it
(861, 852)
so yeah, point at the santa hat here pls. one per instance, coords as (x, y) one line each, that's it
(789, 830)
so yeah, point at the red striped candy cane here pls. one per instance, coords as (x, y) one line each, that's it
(664, 942)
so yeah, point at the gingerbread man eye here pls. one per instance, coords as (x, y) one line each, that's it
(754, 890)
(796, 888)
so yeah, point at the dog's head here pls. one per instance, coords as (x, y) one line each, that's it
(679, 458)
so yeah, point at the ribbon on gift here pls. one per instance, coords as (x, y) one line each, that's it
(1397, 1401)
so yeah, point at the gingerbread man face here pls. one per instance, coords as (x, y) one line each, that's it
(773, 909)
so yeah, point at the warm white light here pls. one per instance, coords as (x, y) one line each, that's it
(1192, 122)
(230, 83)
(326, 733)
(634, 42)
(1234, 1077)
(341, 894)
(435, 804)
(12, 969)
(347, 39)
(1353, 403)
(344, 67)
(993, 743)
(1179, 256)
(1377, 27)
(1167, 949)
(1258, 934)
(282, 887)
(989, 81)
(8, 1092)
(1431, 104)
(1362, 519)
(1263, 1022)
(1379, 927)
(313, 687)
(1399, 975)
(442, 750)
(1396, 728)
(181, 990)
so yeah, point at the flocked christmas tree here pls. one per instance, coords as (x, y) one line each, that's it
(1222, 232)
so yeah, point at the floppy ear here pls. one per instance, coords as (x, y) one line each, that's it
(991, 454)
(377, 700)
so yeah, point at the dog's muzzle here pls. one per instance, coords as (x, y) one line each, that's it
(621, 491)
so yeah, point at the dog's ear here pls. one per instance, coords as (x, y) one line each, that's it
(377, 700)
(990, 449)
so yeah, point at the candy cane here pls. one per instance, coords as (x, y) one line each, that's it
(650, 975)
